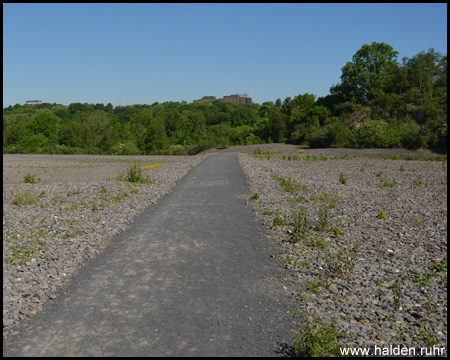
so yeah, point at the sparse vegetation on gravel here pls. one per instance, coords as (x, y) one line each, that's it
(54, 226)
(371, 280)
(362, 243)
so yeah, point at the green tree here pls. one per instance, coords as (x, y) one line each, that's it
(423, 71)
(109, 108)
(46, 123)
(156, 137)
(277, 125)
(370, 73)
(79, 107)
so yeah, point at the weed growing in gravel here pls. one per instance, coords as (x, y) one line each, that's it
(21, 255)
(422, 279)
(134, 175)
(26, 197)
(317, 339)
(342, 263)
(381, 215)
(289, 185)
(119, 197)
(323, 218)
(314, 287)
(258, 153)
(387, 184)
(342, 179)
(279, 221)
(337, 230)
(255, 196)
(299, 198)
(441, 266)
(300, 224)
(397, 288)
(29, 179)
(332, 199)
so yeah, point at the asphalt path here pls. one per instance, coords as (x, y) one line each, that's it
(191, 276)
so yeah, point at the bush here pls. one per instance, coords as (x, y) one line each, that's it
(410, 136)
(316, 340)
(373, 134)
(29, 179)
(134, 175)
(320, 138)
(125, 149)
(333, 135)
(177, 150)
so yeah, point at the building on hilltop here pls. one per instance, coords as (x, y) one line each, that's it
(237, 99)
(33, 102)
(243, 99)
(206, 98)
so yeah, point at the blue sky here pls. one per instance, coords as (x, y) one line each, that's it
(141, 53)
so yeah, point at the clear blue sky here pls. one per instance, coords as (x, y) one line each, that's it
(142, 53)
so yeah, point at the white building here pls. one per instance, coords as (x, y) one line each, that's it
(33, 102)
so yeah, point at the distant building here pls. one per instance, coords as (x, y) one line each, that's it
(206, 98)
(237, 99)
(243, 99)
(33, 102)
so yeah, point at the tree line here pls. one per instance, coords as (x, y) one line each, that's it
(380, 102)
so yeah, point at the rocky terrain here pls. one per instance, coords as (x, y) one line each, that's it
(68, 216)
(365, 241)
(362, 233)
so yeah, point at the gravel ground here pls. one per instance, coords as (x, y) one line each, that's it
(365, 241)
(71, 216)
(381, 280)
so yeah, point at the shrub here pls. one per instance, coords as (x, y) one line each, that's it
(373, 134)
(316, 340)
(29, 179)
(134, 175)
(125, 149)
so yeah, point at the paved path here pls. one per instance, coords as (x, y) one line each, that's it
(192, 276)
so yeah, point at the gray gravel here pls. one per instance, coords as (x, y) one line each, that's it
(391, 289)
(75, 211)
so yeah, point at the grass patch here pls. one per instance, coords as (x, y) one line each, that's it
(26, 197)
(289, 185)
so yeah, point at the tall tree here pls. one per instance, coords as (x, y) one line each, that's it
(425, 69)
(156, 137)
(369, 74)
